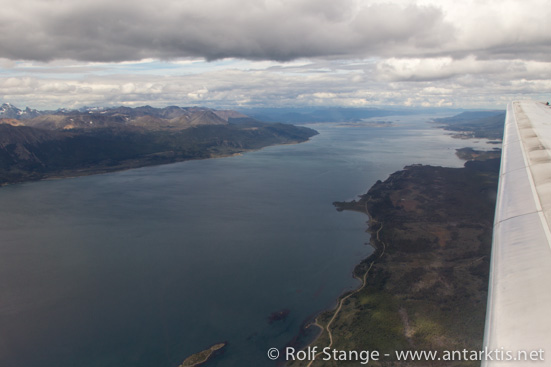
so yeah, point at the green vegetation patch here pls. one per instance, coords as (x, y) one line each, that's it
(28, 153)
(426, 283)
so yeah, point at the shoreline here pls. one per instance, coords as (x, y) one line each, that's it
(197, 359)
(377, 270)
(135, 164)
(371, 259)
(32, 154)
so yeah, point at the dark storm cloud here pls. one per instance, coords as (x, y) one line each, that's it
(251, 29)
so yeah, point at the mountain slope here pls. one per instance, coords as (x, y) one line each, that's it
(479, 124)
(80, 143)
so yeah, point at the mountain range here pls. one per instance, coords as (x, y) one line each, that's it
(147, 117)
(46, 144)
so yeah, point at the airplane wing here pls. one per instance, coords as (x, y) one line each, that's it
(518, 319)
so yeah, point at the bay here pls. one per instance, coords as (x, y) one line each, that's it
(148, 266)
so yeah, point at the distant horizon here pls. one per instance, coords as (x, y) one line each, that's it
(278, 53)
(261, 107)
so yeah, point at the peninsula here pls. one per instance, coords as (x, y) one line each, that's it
(37, 145)
(425, 286)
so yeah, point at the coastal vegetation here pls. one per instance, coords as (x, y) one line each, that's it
(475, 124)
(424, 288)
(77, 143)
(425, 285)
(470, 154)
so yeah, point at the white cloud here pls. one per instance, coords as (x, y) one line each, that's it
(437, 81)
(274, 52)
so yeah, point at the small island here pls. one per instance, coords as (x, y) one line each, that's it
(198, 359)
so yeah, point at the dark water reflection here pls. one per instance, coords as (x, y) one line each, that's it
(147, 266)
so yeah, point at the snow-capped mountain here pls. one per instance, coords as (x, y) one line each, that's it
(8, 110)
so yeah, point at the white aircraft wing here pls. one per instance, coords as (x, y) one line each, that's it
(518, 319)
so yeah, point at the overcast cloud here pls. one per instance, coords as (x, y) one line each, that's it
(276, 52)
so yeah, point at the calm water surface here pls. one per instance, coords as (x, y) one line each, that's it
(147, 266)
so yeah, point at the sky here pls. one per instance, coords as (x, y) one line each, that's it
(274, 53)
